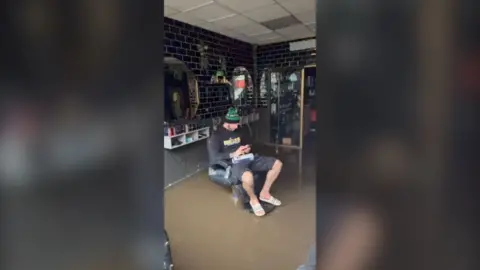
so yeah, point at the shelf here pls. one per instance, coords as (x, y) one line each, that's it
(179, 140)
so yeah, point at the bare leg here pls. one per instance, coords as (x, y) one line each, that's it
(248, 185)
(272, 175)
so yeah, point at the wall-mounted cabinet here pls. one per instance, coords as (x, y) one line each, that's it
(185, 138)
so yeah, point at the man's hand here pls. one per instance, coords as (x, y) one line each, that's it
(240, 151)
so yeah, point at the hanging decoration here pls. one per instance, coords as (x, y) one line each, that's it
(202, 49)
(220, 75)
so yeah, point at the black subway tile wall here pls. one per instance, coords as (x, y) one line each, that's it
(278, 55)
(181, 41)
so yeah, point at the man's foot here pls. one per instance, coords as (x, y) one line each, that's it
(257, 208)
(268, 198)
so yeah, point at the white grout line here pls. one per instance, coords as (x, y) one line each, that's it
(197, 7)
(223, 17)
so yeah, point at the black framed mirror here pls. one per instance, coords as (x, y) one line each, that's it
(181, 91)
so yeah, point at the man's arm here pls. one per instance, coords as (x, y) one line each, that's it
(215, 150)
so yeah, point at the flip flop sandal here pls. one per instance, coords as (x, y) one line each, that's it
(272, 200)
(257, 209)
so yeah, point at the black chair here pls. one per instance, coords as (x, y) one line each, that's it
(219, 172)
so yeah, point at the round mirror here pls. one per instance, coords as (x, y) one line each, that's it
(181, 91)
(242, 84)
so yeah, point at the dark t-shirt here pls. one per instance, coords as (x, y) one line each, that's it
(222, 143)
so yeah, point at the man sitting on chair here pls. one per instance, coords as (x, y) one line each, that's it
(226, 144)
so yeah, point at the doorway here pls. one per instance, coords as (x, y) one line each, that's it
(291, 94)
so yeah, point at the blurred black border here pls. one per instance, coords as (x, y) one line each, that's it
(433, 246)
(133, 77)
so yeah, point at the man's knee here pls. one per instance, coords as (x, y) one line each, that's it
(277, 165)
(247, 178)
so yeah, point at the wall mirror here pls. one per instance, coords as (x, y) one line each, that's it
(181, 91)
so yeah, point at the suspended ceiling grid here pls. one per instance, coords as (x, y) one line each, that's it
(254, 21)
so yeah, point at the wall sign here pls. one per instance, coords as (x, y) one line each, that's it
(308, 44)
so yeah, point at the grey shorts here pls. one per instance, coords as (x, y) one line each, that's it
(258, 164)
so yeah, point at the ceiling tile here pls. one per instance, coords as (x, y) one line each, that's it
(289, 39)
(268, 36)
(306, 17)
(266, 13)
(215, 28)
(253, 29)
(167, 11)
(251, 40)
(313, 27)
(241, 6)
(186, 18)
(299, 6)
(236, 35)
(244, 38)
(209, 12)
(270, 41)
(299, 35)
(296, 31)
(232, 35)
(264, 42)
(233, 22)
(185, 4)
